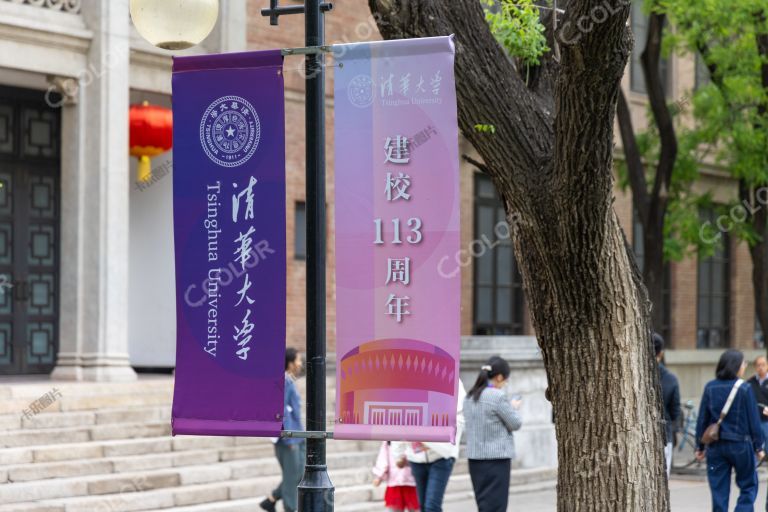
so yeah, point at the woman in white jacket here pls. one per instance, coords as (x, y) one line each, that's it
(432, 463)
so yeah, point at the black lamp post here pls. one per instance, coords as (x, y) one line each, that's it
(316, 489)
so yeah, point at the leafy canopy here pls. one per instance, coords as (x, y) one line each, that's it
(725, 125)
(720, 121)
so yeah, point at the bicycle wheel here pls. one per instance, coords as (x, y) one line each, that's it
(684, 455)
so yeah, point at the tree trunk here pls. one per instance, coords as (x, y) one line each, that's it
(658, 200)
(590, 316)
(759, 253)
(653, 268)
(551, 161)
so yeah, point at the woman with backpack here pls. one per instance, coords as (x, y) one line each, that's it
(729, 429)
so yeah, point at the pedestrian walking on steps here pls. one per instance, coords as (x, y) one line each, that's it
(290, 452)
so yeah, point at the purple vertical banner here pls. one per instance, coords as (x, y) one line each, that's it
(229, 234)
(397, 222)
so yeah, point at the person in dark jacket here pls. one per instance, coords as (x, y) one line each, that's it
(759, 383)
(670, 394)
(741, 437)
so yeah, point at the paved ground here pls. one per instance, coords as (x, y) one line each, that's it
(687, 496)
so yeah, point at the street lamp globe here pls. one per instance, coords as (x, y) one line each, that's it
(174, 24)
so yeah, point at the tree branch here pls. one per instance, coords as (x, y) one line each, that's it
(635, 167)
(651, 61)
(543, 77)
(711, 66)
(480, 166)
(586, 94)
(762, 50)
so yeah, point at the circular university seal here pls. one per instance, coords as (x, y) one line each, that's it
(230, 131)
(360, 91)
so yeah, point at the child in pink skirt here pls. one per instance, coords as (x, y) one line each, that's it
(401, 488)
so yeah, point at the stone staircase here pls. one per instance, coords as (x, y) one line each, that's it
(106, 447)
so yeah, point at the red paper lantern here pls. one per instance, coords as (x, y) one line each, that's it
(151, 133)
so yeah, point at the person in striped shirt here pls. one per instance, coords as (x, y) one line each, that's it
(490, 418)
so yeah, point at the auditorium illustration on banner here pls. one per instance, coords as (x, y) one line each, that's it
(397, 217)
(229, 231)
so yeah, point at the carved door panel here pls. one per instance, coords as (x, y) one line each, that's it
(29, 234)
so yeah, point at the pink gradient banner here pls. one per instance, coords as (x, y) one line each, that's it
(397, 216)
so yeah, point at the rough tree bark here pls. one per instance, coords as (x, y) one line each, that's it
(651, 206)
(551, 161)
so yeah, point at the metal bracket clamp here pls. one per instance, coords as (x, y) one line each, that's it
(301, 434)
(307, 50)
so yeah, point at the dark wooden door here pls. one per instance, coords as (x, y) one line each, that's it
(29, 232)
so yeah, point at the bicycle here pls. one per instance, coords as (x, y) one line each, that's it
(684, 454)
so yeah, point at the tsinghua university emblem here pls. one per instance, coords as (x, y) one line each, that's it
(230, 131)
(360, 91)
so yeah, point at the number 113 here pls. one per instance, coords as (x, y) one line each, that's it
(413, 224)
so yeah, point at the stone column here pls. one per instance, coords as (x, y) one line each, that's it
(94, 294)
(69, 364)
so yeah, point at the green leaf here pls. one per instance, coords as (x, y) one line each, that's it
(517, 28)
(485, 128)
